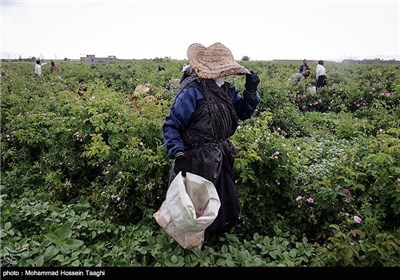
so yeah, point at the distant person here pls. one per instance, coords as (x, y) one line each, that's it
(53, 67)
(321, 74)
(38, 68)
(304, 67)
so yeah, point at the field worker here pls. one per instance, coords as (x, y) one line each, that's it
(320, 74)
(53, 67)
(297, 77)
(38, 68)
(304, 67)
(205, 113)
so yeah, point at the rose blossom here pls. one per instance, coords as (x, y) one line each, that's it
(346, 191)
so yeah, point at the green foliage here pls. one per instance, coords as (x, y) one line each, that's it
(351, 248)
(84, 168)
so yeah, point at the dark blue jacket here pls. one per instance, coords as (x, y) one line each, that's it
(303, 68)
(187, 102)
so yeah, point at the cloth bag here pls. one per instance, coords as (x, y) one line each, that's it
(190, 206)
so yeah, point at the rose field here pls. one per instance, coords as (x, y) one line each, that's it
(83, 168)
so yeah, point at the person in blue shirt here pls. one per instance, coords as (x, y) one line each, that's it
(205, 113)
(303, 68)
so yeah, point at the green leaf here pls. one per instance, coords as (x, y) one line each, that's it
(358, 232)
(65, 231)
(256, 236)
(50, 252)
(293, 253)
(7, 226)
(229, 263)
(75, 244)
(273, 254)
(65, 249)
(86, 251)
(74, 255)
(224, 249)
(174, 259)
(334, 226)
(53, 238)
(66, 261)
(39, 261)
(84, 215)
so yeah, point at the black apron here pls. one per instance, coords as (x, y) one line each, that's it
(209, 152)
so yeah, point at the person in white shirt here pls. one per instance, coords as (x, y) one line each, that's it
(321, 74)
(38, 68)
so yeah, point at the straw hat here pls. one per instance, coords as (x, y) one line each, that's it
(213, 62)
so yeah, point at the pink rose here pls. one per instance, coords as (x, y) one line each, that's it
(346, 191)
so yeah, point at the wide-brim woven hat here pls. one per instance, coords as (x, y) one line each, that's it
(213, 62)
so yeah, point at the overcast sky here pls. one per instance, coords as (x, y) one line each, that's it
(260, 29)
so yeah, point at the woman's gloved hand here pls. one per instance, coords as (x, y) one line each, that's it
(180, 163)
(252, 81)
